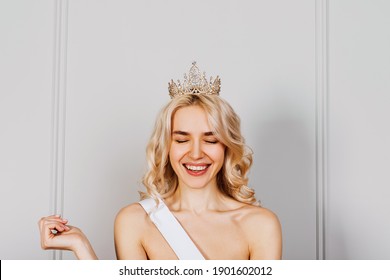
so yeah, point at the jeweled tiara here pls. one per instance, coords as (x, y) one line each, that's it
(195, 83)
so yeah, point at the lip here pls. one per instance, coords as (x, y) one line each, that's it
(198, 172)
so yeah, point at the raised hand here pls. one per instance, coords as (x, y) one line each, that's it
(57, 234)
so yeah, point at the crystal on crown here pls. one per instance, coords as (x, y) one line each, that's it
(195, 83)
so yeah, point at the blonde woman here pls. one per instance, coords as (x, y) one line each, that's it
(197, 204)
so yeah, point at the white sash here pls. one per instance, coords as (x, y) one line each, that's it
(171, 230)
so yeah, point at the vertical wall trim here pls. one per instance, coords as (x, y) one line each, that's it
(58, 110)
(322, 59)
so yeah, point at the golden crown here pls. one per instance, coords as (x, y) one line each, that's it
(195, 83)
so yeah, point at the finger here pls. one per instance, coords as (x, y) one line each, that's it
(63, 228)
(52, 228)
(51, 219)
(60, 220)
(48, 232)
(49, 229)
(54, 216)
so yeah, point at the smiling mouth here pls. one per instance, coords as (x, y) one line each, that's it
(196, 168)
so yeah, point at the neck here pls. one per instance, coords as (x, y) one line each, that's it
(197, 200)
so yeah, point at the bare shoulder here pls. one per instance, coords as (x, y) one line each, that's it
(130, 224)
(131, 220)
(263, 231)
(259, 218)
(131, 213)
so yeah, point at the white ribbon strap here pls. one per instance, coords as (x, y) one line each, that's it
(171, 230)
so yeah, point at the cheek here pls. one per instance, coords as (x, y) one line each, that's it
(173, 160)
(218, 154)
(222, 156)
(175, 153)
(172, 155)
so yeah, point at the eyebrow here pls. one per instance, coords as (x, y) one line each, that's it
(179, 132)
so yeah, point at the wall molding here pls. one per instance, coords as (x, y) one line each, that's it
(322, 85)
(58, 112)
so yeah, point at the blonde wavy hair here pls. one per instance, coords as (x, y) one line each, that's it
(161, 180)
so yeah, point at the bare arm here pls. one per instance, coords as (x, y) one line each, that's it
(128, 232)
(265, 235)
(67, 237)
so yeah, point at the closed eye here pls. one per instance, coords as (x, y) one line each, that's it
(211, 142)
(181, 141)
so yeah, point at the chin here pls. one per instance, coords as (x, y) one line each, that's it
(194, 184)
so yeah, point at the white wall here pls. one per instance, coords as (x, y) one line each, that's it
(359, 130)
(26, 53)
(84, 81)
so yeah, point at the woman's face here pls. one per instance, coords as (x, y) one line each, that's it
(195, 154)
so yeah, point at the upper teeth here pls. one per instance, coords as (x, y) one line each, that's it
(197, 168)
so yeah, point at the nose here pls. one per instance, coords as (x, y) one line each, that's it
(196, 151)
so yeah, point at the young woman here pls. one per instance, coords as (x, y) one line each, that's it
(197, 204)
